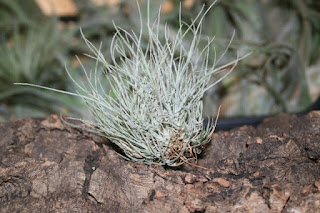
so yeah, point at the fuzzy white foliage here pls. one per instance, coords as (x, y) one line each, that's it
(154, 109)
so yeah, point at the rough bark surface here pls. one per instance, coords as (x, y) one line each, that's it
(47, 166)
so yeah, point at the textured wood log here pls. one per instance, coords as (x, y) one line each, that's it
(47, 166)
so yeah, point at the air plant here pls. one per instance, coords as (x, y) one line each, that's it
(153, 111)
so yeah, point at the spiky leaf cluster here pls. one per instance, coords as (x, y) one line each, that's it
(153, 111)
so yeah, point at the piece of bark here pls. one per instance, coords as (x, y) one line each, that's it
(47, 166)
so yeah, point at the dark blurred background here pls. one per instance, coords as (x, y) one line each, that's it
(39, 37)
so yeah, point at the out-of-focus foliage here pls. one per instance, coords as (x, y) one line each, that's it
(282, 74)
(36, 56)
(283, 36)
(15, 13)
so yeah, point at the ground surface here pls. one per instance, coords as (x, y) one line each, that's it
(46, 166)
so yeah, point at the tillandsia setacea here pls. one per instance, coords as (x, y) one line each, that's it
(153, 111)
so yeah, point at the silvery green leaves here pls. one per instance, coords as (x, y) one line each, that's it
(153, 111)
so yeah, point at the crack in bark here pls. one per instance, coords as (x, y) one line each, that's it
(92, 162)
(285, 205)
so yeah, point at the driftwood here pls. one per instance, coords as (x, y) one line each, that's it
(47, 166)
